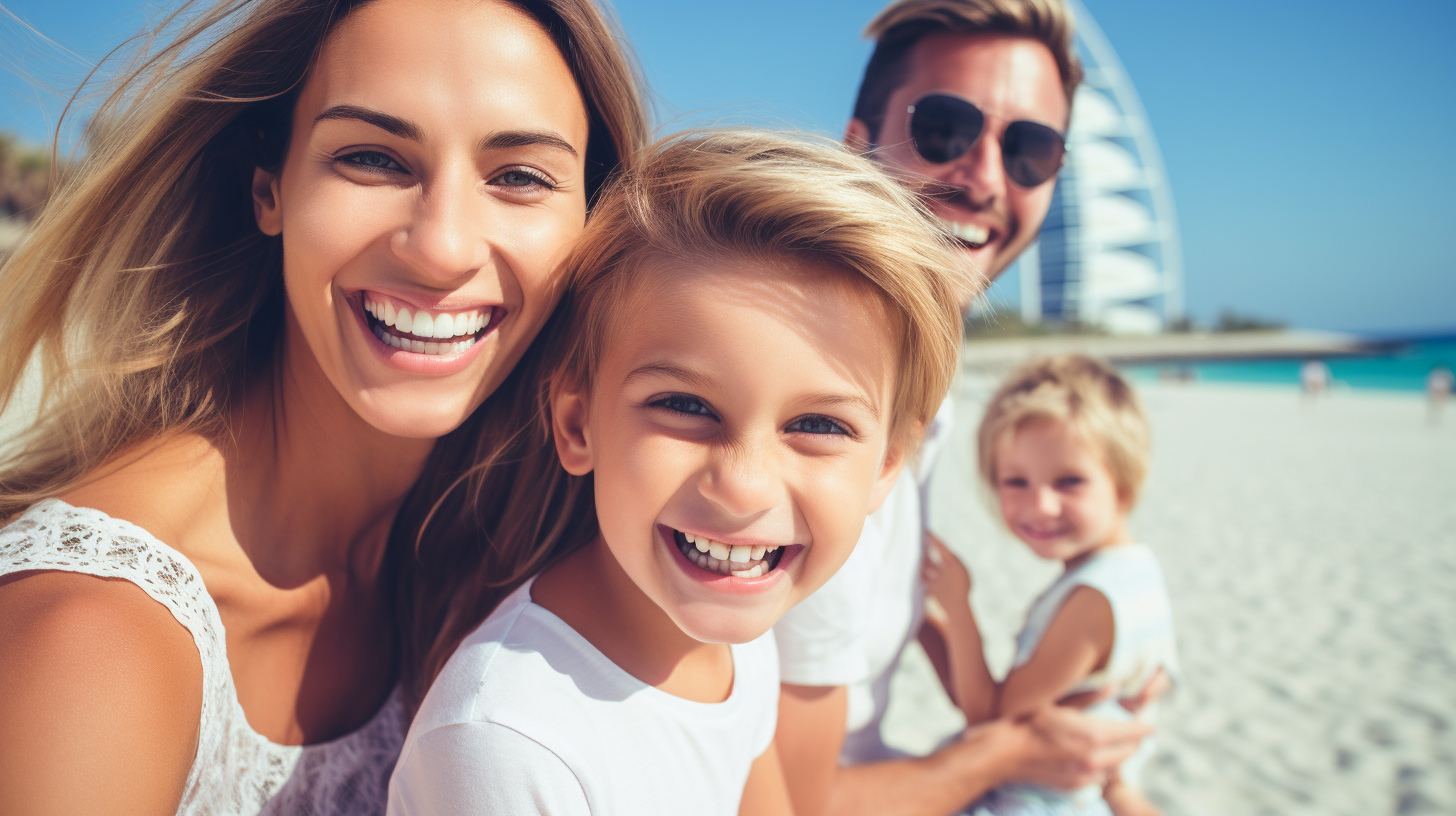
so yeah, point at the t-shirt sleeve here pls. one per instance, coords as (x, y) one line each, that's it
(483, 768)
(821, 642)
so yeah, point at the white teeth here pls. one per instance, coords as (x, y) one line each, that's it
(424, 324)
(757, 552)
(738, 553)
(444, 326)
(701, 544)
(970, 233)
(718, 550)
(389, 314)
(432, 348)
(405, 322)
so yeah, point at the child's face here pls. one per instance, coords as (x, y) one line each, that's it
(1056, 492)
(739, 432)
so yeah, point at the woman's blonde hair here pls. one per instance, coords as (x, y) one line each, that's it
(145, 292)
(1086, 394)
(695, 196)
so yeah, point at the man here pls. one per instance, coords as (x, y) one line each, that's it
(966, 100)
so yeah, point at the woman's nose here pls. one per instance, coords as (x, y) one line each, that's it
(446, 235)
(743, 485)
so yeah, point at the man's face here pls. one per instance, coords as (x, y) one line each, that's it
(1008, 78)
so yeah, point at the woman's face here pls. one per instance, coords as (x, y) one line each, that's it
(433, 180)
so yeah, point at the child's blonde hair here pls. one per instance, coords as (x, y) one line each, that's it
(768, 197)
(1087, 395)
(712, 194)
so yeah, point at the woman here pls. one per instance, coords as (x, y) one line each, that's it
(308, 239)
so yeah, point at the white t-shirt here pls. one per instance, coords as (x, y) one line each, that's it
(528, 717)
(852, 631)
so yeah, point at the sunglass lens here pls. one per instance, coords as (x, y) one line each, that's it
(1032, 152)
(944, 128)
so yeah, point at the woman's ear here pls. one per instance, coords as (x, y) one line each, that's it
(570, 415)
(889, 474)
(267, 210)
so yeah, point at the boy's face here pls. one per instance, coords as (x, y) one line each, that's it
(1056, 492)
(743, 409)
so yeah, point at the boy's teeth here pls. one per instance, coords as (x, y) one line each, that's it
(718, 550)
(757, 552)
(701, 544)
(738, 553)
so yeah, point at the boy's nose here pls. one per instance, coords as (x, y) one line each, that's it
(742, 485)
(1047, 502)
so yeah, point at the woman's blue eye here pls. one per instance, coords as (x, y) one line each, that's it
(816, 424)
(521, 178)
(683, 404)
(373, 160)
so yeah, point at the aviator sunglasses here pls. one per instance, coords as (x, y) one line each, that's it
(944, 127)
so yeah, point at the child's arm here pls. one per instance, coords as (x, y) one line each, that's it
(767, 792)
(1077, 643)
(948, 582)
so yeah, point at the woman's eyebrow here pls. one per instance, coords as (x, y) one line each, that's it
(390, 123)
(525, 138)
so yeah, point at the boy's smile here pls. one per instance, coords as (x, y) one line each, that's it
(738, 430)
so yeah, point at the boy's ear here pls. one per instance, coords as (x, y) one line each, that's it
(266, 208)
(569, 426)
(889, 473)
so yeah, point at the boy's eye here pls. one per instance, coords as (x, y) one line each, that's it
(1014, 482)
(373, 160)
(684, 404)
(816, 424)
(1069, 482)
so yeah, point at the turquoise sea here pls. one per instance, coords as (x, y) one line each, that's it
(1402, 367)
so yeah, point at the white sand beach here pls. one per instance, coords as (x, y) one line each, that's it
(1310, 551)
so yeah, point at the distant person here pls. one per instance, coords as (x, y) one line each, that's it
(1064, 447)
(1438, 390)
(1314, 378)
(968, 102)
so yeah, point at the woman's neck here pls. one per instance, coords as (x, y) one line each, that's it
(312, 488)
(594, 595)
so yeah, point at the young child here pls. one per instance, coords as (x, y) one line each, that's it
(754, 332)
(1064, 447)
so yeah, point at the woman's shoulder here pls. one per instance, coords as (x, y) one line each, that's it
(97, 674)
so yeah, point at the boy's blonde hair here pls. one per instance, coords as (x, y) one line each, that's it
(1086, 394)
(733, 194)
(768, 197)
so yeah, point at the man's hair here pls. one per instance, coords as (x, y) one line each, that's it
(1086, 394)
(904, 23)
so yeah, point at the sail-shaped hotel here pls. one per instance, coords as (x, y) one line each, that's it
(1108, 254)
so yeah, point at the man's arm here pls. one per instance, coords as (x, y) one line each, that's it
(1057, 747)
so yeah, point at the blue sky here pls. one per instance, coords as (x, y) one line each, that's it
(1307, 142)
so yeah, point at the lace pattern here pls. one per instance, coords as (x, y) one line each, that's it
(236, 770)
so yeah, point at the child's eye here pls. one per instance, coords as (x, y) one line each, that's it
(817, 424)
(684, 404)
(1014, 482)
(1069, 482)
(373, 160)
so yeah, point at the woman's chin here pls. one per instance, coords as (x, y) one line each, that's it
(414, 415)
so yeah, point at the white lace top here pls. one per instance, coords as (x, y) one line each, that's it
(237, 770)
